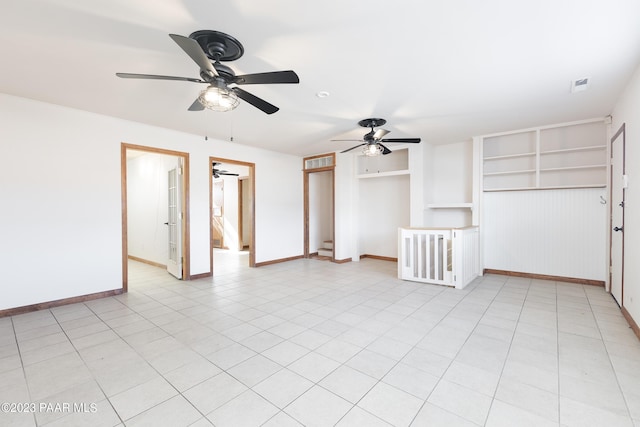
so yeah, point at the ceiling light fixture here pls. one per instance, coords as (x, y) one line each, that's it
(218, 97)
(322, 94)
(371, 150)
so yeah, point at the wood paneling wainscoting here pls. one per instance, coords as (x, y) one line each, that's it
(58, 303)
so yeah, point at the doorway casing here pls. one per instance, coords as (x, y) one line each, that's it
(315, 164)
(124, 147)
(616, 216)
(251, 207)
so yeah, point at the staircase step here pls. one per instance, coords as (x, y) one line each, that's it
(327, 244)
(325, 252)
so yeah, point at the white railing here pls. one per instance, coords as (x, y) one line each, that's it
(443, 256)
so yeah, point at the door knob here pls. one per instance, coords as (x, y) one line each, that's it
(617, 228)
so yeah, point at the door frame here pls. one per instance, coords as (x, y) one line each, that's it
(252, 207)
(186, 274)
(243, 181)
(620, 133)
(213, 185)
(306, 171)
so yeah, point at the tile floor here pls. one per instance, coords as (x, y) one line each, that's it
(313, 343)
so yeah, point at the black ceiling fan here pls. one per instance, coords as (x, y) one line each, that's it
(218, 172)
(372, 141)
(207, 48)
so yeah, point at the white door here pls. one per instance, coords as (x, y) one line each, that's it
(616, 198)
(174, 263)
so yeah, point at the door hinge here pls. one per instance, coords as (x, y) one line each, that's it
(179, 170)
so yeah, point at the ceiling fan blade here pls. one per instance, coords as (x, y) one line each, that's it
(380, 133)
(353, 148)
(196, 106)
(268, 78)
(255, 101)
(157, 77)
(227, 173)
(404, 140)
(385, 150)
(193, 49)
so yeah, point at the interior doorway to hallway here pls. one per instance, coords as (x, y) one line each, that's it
(146, 235)
(319, 202)
(231, 209)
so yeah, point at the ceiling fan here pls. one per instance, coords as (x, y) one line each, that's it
(372, 141)
(207, 48)
(218, 172)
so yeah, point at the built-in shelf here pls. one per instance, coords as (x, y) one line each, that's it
(547, 187)
(510, 172)
(572, 150)
(381, 174)
(510, 156)
(568, 168)
(450, 205)
(392, 164)
(564, 156)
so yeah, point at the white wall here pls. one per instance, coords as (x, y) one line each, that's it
(384, 207)
(627, 111)
(345, 245)
(147, 211)
(449, 180)
(61, 216)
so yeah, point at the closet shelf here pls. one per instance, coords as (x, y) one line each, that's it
(548, 187)
(512, 172)
(450, 205)
(380, 174)
(510, 156)
(572, 150)
(566, 168)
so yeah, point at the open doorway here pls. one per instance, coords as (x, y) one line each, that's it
(150, 232)
(231, 208)
(616, 203)
(319, 212)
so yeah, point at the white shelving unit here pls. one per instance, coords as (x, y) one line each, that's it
(392, 164)
(564, 156)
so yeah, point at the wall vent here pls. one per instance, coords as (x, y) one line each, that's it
(579, 85)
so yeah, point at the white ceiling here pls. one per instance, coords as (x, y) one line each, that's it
(440, 70)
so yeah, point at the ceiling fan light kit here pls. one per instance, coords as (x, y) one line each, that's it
(372, 141)
(218, 98)
(207, 48)
(372, 150)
